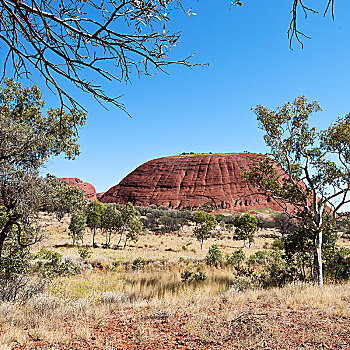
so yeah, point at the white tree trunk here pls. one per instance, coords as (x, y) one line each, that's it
(319, 258)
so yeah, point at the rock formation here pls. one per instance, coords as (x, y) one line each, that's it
(90, 192)
(191, 181)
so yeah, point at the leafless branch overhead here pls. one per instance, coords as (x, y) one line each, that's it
(86, 42)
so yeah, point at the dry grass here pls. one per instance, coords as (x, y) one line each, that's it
(150, 293)
(87, 299)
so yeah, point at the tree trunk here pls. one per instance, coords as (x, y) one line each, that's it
(202, 244)
(2, 240)
(319, 258)
(120, 238)
(93, 238)
(4, 233)
(126, 240)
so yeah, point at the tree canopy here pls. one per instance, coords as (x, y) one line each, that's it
(316, 163)
(28, 138)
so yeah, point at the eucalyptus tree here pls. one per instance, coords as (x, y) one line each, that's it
(133, 230)
(205, 224)
(127, 216)
(77, 226)
(246, 226)
(62, 198)
(94, 212)
(316, 165)
(111, 222)
(67, 41)
(28, 138)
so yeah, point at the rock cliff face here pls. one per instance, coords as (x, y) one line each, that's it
(191, 181)
(90, 192)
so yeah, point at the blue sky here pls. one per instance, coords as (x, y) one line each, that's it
(208, 109)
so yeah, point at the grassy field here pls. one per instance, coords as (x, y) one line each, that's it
(101, 306)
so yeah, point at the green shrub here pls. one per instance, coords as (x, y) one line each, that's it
(241, 284)
(278, 244)
(50, 264)
(137, 263)
(189, 276)
(214, 256)
(85, 252)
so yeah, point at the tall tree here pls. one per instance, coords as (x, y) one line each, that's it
(205, 224)
(28, 138)
(316, 165)
(246, 226)
(94, 212)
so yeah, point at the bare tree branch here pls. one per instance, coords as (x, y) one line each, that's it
(72, 41)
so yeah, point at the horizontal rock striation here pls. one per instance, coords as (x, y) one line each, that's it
(190, 181)
(90, 192)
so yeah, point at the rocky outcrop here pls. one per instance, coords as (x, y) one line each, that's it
(99, 195)
(90, 192)
(190, 181)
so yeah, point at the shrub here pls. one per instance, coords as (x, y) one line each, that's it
(84, 252)
(278, 244)
(43, 304)
(137, 263)
(188, 276)
(236, 259)
(15, 284)
(241, 284)
(214, 256)
(51, 264)
(113, 297)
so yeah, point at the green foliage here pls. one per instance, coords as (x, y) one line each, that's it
(284, 223)
(188, 276)
(169, 224)
(236, 259)
(111, 222)
(62, 198)
(28, 138)
(338, 264)
(77, 226)
(316, 165)
(51, 264)
(245, 227)
(214, 256)
(133, 230)
(278, 244)
(84, 252)
(242, 283)
(137, 263)
(94, 212)
(205, 223)
(15, 259)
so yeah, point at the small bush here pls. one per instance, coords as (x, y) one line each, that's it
(214, 256)
(189, 276)
(137, 263)
(51, 264)
(241, 284)
(113, 298)
(278, 244)
(43, 304)
(84, 252)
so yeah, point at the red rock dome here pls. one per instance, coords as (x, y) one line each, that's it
(191, 181)
(90, 192)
